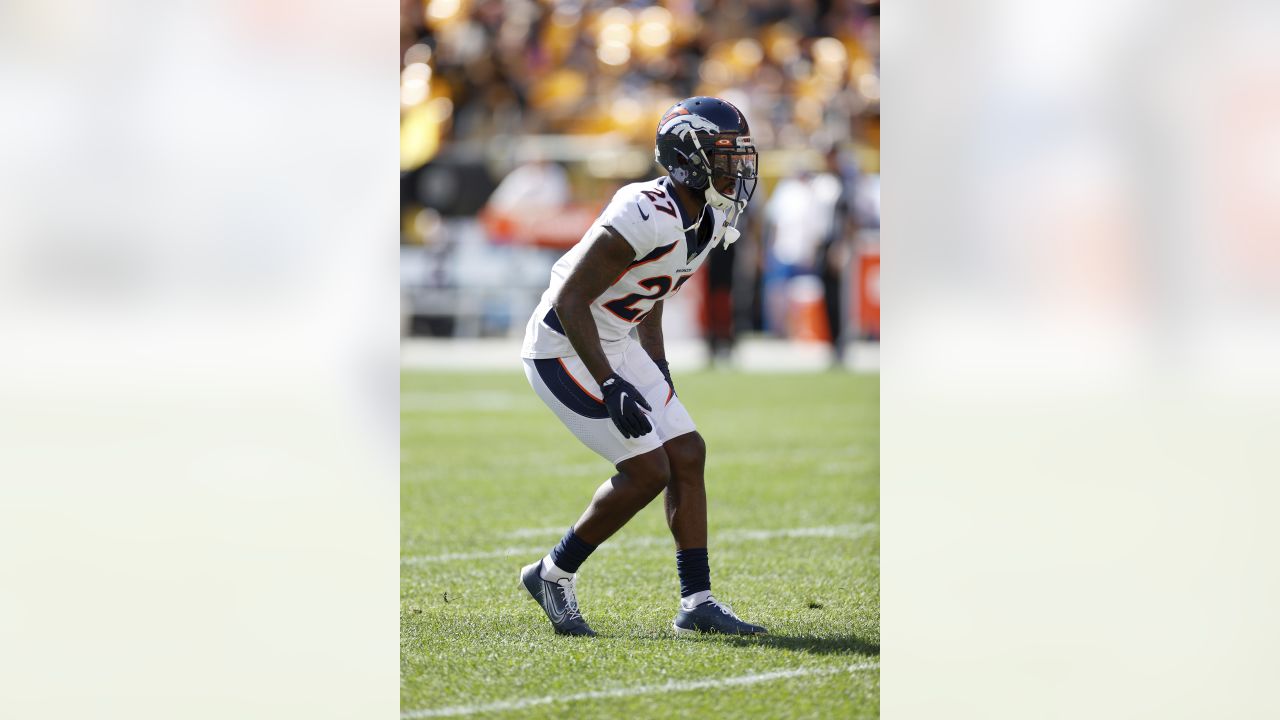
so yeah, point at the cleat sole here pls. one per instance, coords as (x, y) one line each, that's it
(693, 631)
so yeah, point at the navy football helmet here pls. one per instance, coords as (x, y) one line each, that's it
(705, 144)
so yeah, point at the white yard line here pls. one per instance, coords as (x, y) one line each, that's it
(674, 686)
(480, 555)
(844, 531)
(826, 531)
(556, 531)
(749, 354)
(478, 400)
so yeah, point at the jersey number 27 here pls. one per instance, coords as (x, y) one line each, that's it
(623, 306)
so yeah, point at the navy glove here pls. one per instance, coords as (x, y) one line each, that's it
(624, 402)
(666, 373)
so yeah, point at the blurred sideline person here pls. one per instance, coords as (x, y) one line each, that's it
(537, 185)
(719, 304)
(732, 289)
(799, 215)
(836, 253)
(616, 394)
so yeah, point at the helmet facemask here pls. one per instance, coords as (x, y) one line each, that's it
(733, 175)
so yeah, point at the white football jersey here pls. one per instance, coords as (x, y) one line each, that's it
(649, 217)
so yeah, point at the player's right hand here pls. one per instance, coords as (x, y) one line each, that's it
(624, 402)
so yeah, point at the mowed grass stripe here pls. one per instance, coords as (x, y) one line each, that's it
(730, 536)
(668, 687)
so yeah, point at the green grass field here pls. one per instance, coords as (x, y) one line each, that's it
(490, 480)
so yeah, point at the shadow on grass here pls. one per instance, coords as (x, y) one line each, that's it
(836, 645)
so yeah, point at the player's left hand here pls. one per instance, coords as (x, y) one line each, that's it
(665, 367)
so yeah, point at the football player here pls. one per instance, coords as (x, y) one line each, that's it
(593, 352)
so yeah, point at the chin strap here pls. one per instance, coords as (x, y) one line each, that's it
(733, 210)
(729, 229)
(729, 232)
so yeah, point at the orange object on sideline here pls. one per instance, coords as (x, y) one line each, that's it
(558, 228)
(869, 292)
(806, 313)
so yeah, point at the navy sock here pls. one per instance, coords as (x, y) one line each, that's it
(571, 552)
(695, 573)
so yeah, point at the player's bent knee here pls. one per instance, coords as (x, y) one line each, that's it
(651, 471)
(687, 454)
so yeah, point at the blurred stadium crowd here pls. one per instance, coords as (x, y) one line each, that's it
(520, 118)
